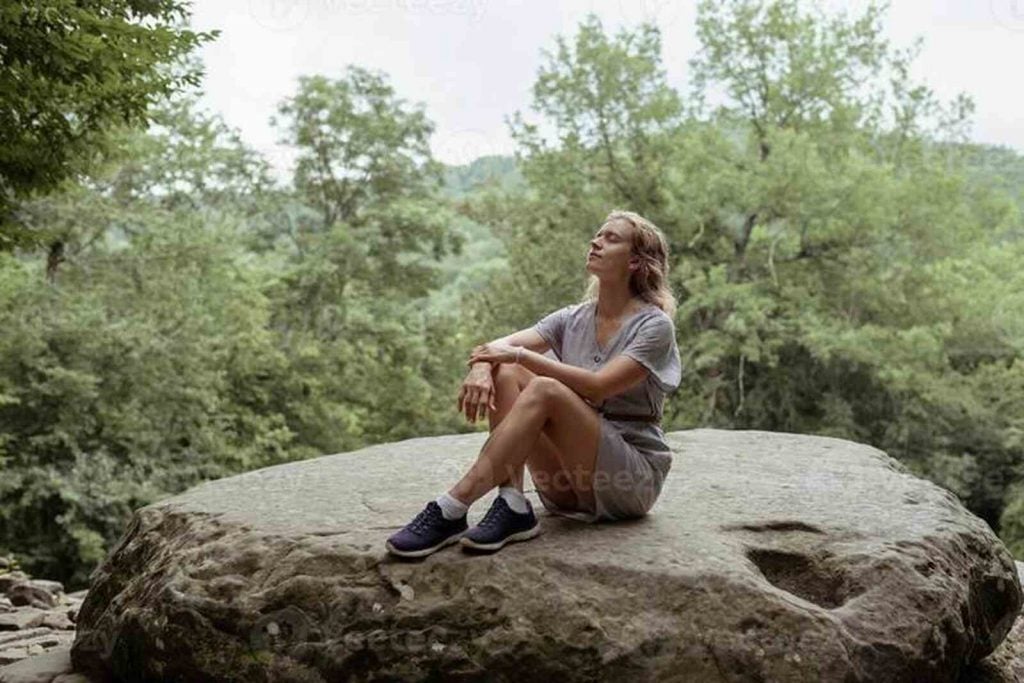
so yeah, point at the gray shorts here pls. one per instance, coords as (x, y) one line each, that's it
(626, 484)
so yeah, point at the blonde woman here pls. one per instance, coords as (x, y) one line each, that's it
(588, 425)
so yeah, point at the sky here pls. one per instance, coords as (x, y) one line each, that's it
(472, 63)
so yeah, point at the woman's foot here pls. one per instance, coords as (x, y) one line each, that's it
(428, 532)
(501, 525)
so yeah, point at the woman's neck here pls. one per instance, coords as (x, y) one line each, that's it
(614, 302)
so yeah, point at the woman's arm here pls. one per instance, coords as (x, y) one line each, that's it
(584, 382)
(617, 376)
(528, 338)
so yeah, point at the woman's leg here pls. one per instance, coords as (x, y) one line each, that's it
(543, 424)
(544, 459)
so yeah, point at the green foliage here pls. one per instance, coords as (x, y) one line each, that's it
(70, 72)
(845, 264)
(366, 230)
(841, 267)
(488, 171)
(189, 333)
(145, 364)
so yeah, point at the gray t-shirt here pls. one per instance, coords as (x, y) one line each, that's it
(649, 337)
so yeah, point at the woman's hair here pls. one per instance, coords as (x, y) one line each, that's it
(649, 281)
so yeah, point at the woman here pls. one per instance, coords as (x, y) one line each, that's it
(588, 427)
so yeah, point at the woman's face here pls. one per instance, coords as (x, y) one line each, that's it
(611, 250)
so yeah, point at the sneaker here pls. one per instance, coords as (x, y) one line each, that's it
(501, 525)
(428, 532)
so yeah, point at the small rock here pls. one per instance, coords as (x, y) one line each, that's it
(79, 595)
(48, 586)
(31, 595)
(11, 655)
(40, 669)
(58, 620)
(8, 580)
(26, 617)
(9, 638)
(47, 640)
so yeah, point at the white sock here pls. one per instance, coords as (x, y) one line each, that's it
(451, 507)
(514, 497)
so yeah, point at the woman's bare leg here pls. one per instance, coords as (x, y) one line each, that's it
(543, 424)
(544, 459)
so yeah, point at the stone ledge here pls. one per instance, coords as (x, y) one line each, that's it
(769, 556)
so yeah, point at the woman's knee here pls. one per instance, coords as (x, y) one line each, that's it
(544, 387)
(510, 374)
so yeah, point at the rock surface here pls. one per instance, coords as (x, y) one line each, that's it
(1006, 664)
(36, 627)
(44, 668)
(769, 557)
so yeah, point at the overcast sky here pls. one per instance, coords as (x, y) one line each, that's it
(472, 62)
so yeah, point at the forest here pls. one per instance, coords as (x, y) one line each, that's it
(844, 257)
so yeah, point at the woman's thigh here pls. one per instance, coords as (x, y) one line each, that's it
(564, 457)
(626, 482)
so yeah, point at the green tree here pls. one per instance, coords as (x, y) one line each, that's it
(828, 206)
(69, 73)
(146, 362)
(826, 234)
(365, 231)
(612, 115)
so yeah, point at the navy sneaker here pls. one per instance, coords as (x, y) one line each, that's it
(428, 532)
(501, 525)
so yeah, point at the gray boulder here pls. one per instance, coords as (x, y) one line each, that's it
(768, 557)
(1006, 664)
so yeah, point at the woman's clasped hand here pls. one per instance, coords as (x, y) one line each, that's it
(494, 352)
(477, 395)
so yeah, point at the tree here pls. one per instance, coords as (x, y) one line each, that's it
(365, 230)
(365, 176)
(612, 116)
(71, 71)
(827, 242)
(358, 145)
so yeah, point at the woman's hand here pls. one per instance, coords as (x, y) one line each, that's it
(477, 394)
(494, 352)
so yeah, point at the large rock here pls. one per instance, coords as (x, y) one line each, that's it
(769, 557)
(1006, 664)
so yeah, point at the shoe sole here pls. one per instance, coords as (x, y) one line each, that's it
(468, 542)
(454, 538)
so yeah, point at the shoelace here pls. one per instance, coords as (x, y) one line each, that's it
(496, 511)
(424, 517)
